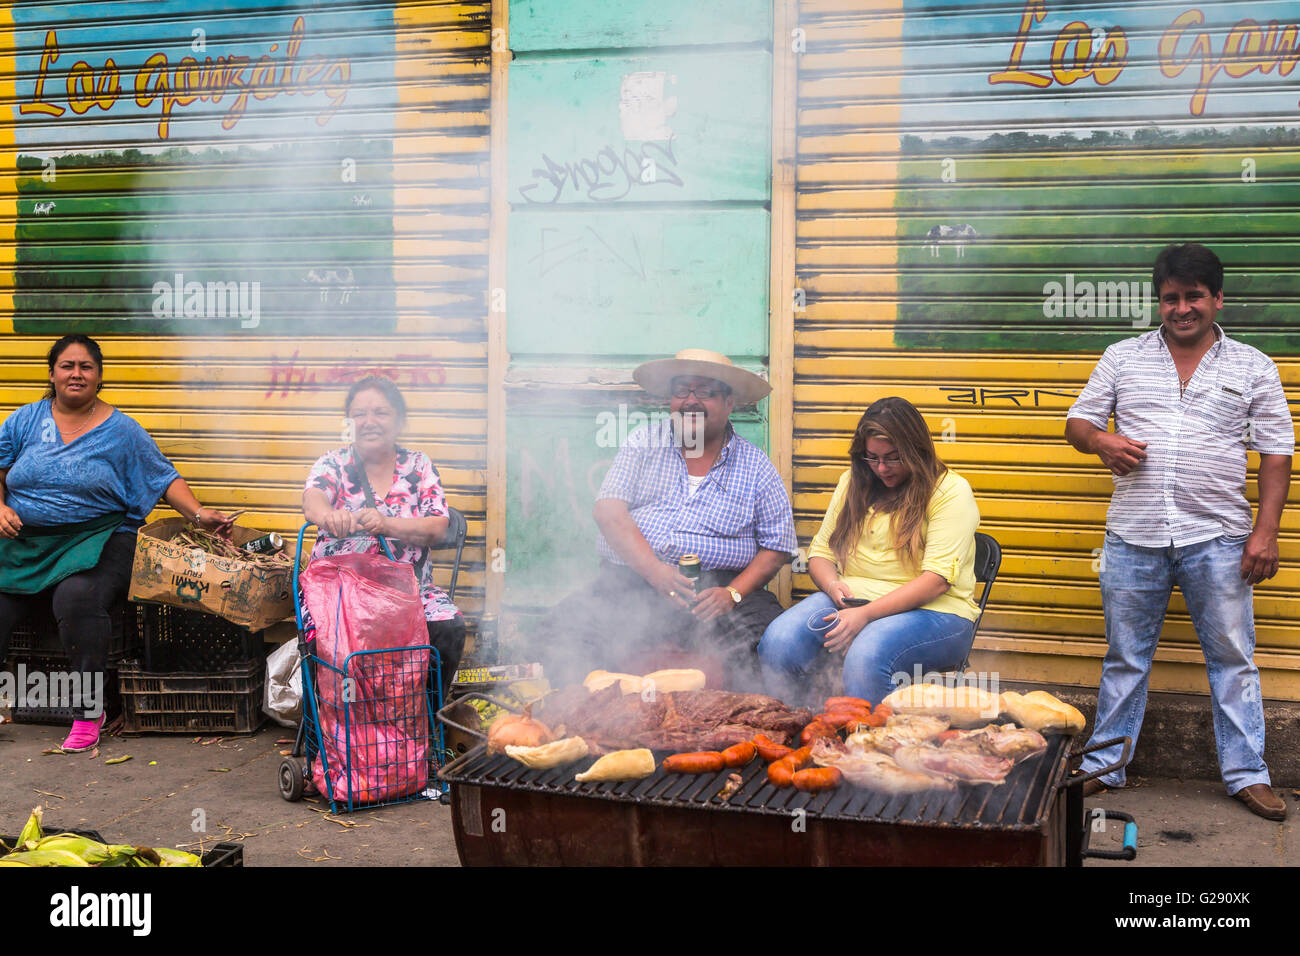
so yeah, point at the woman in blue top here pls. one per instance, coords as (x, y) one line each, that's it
(78, 479)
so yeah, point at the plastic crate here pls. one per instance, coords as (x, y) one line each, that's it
(224, 854)
(228, 701)
(176, 640)
(37, 635)
(24, 713)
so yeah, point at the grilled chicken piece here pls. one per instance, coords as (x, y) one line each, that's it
(964, 767)
(1009, 741)
(874, 770)
(900, 730)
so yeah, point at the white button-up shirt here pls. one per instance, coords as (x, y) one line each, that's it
(1192, 485)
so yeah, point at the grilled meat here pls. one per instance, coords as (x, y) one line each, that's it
(677, 722)
(900, 730)
(1009, 741)
(953, 764)
(874, 770)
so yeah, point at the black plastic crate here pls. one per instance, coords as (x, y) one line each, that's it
(224, 854)
(37, 635)
(228, 701)
(174, 639)
(24, 713)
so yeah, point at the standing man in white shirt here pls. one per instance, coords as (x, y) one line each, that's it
(1188, 401)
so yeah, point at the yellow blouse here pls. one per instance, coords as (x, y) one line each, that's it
(874, 568)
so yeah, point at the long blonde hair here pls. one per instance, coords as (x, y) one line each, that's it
(897, 421)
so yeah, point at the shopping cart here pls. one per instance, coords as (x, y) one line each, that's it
(371, 721)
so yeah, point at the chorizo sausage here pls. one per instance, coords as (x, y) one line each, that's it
(769, 749)
(780, 773)
(817, 778)
(853, 703)
(884, 710)
(704, 762)
(800, 758)
(740, 754)
(841, 718)
(814, 730)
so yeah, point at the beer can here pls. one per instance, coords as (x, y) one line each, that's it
(485, 641)
(689, 566)
(266, 544)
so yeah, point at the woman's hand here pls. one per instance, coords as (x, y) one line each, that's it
(210, 519)
(10, 523)
(339, 523)
(837, 591)
(852, 621)
(371, 521)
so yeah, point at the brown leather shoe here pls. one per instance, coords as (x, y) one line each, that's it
(1094, 787)
(1262, 801)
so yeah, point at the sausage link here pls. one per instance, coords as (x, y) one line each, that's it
(769, 749)
(739, 754)
(703, 762)
(780, 773)
(800, 758)
(814, 730)
(852, 703)
(841, 718)
(818, 778)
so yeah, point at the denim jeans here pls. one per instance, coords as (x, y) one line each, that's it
(932, 640)
(1135, 587)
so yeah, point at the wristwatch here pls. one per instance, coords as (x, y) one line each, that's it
(735, 595)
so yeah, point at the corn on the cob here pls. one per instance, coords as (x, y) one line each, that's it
(172, 857)
(46, 858)
(31, 832)
(92, 851)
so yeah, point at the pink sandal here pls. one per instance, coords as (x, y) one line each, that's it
(84, 735)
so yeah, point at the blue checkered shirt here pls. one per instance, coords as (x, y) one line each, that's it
(741, 505)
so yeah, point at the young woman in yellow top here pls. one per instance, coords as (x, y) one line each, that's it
(899, 533)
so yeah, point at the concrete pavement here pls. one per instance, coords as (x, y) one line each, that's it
(176, 792)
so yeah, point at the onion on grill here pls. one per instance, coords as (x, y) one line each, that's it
(519, 730)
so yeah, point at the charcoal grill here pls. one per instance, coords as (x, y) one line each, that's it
(504, 813)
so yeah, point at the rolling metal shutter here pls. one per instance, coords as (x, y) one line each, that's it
(937, 205)
(348, 181)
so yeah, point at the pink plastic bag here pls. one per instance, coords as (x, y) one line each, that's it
(373, 717)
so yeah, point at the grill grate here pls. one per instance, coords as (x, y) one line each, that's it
(1021, 803)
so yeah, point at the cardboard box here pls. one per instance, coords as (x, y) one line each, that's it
(239, 591)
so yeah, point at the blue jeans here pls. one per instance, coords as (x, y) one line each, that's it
(932, 640)
(1135, 587)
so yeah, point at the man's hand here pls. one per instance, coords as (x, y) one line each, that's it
(1120, 454)
(672, 584)
(712, 603)
(852, 621)
(10, 523)
(837, 592)
(1259, 557)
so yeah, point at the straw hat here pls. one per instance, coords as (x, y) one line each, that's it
(657, 377)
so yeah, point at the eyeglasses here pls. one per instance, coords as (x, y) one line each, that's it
(701, 391)
(875, 462)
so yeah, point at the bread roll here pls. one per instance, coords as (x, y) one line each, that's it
(599, 680)
(669, 681)
(620, 765)
(961, 706)
(554, 754)
(1038, 710)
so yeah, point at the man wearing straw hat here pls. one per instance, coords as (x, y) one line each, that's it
(685, 485)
